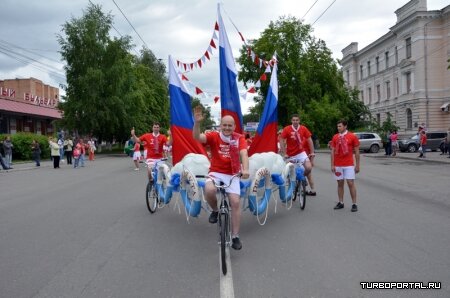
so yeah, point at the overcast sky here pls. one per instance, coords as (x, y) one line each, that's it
(182, 29)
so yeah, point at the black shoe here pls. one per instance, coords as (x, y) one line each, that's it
(213, 217)
(339, 206)
(237, 244)
(354, 208)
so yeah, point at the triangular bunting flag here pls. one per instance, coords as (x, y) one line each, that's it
(251, 90)
(260, 63)
(244, 95)
(263, 77)
(207, 55)
(184, 65)
(198, 91)
(199, 62)
(258, 84)
(216, 27)
(203, 59)
(216, 99)
(209, 50)
(215, 36)
(212, 44)
(253, 56)
(256, 60)
(268, 70)
(178, 63)
(192, 65)
(183, 77)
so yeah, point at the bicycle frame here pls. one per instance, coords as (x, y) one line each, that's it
(161, 182)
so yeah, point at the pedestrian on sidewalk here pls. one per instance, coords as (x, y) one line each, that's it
(68, 149)
(36, 152)
(394, 142)
(7, 148)
(55, 152)
(423, 143)
(343, 145)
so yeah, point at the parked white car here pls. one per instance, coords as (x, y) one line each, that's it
(369, 141)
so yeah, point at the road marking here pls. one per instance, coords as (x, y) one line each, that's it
(226, 281)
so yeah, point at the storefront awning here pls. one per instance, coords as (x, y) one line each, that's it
(29, 109)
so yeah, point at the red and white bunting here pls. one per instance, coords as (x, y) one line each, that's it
(268, 70)
(198, 91)
(258, 84)
(184, 78)
(212, 44)
(263, 77)
(251, 90)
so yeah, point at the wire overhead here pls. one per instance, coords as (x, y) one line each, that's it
(323, 13)
(130, 24)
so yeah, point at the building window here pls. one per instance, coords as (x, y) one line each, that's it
(386, 59)
(408, 48)
(397, 87)
(396, 56)
(378, 118)
(348, 76)
(408, 119)
(377, 64)
(368, 68)
(369, 92)
(388, 90)
(408, 82)
(362, 95)
(361, 72)
(378, 92)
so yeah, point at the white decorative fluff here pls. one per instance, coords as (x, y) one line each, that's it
(272, 161)
(197, 164)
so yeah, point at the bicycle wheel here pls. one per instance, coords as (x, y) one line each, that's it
(223, 222)
(302, 198)
(151, 197)
(297, 191)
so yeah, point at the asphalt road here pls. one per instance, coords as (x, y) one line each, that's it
(87, 233)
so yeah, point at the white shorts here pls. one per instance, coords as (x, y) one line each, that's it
(342, 173)
(151, 162)
(301, 157)
(136, 155)
(234, 188)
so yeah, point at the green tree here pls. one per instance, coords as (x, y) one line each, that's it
(308, 76)
(108, 90)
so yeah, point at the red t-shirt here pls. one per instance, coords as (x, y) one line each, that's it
(292, 146)
(220, 152)
(341, 160)
(137, 147)
(423, 139)
(154, 152)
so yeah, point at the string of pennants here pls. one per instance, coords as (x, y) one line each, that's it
(187, 67)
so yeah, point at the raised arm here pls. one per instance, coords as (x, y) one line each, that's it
(198, 117)
(133, 136)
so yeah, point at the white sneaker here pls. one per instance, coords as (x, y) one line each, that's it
(136, 169)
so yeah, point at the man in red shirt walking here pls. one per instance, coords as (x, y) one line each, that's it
(343, 145)
(423, 143)
(154, 143)
(228, 150)
(292, 140)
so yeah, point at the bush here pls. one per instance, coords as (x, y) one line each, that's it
(22, 145)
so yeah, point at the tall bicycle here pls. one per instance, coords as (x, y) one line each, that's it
(224, 218)
(156, 188)
(300, 184)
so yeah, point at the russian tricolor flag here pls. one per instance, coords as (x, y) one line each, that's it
(229, 96)
(266, 139)
(181, 118)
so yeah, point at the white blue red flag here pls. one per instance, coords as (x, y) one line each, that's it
(266, 139)
(229, 96)
(181, 118)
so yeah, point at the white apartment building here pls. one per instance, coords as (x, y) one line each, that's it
(404, 72)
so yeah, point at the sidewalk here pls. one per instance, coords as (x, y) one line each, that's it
(46, 163)
(431, 157)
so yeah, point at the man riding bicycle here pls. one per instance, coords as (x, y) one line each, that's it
(228, 149)
(153, 143)
(292, 139)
